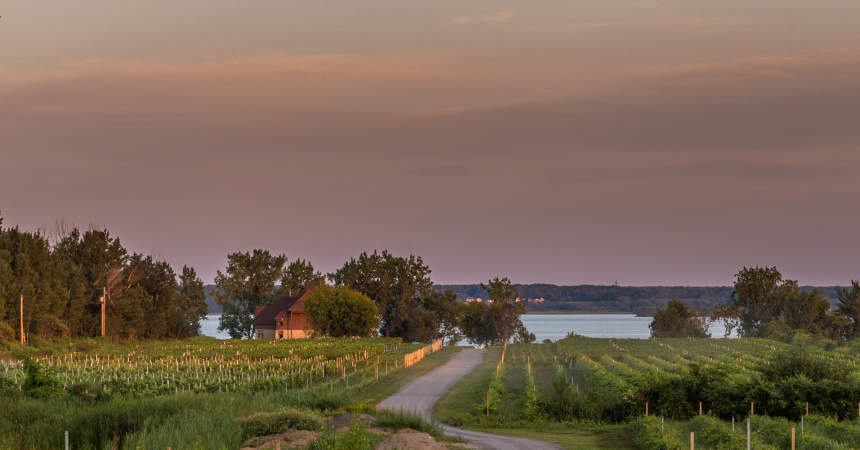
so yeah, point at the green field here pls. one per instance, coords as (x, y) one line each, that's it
(189, 393)
(592, 393)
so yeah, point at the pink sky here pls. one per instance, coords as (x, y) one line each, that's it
(649, 142)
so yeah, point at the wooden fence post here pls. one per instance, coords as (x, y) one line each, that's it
(692, 441)
(646, 409)
(792, 438)
(488, 404)
(700, 408)
(748, 434)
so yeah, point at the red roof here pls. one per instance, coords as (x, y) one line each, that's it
(295, 304)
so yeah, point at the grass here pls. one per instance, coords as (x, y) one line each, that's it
(462, 402)
(572, 435)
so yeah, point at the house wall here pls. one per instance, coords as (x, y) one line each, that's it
(264, 333)
(297, 327)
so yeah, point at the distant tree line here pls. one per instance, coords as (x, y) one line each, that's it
(63, 279)
(764, 304)
(641, 300)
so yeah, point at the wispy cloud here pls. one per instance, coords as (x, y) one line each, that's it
(495, 18)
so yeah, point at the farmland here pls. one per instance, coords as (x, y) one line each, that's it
(205, 365)
(187, 393)
(607, 385)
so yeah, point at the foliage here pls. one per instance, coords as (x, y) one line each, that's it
(266, 423)
(495, 321)
(37, 383)
(341, 312)
(62, 280)
(763, 304)
(678, 321)
(404, 419)
(357, 438)
(849, 307)
(647, 435)
(401, 287)
(249, 282)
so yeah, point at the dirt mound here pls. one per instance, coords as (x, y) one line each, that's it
(411, 440)
(290, 439)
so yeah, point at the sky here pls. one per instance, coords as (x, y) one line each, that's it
(644, 142)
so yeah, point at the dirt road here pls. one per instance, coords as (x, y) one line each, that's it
(421, 394)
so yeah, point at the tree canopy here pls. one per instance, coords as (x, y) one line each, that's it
(341, 312)
(408, 305)
(763, 304)
(678, 321)
(62, 280)
(497, 321)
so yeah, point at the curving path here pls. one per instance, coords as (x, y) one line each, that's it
(420, 394)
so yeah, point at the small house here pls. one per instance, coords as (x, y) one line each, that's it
(284, 318)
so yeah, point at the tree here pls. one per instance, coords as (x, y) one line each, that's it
(849, 307)
(341, 312)
(401, 287)
(191, 301)
(298, 275)
(497, 320)
(764, 305)
(678, 321)
(248, 282)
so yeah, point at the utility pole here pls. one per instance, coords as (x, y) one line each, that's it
(103, 299)
(22, 319)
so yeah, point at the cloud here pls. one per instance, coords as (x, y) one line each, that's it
(495, 18)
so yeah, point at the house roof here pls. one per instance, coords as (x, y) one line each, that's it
(296, 304)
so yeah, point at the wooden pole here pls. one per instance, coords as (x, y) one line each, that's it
(792, 438)
(748, 434)
(752, 408)
(488, 404)
(103, 300)
(22, 319)
(700, 408)
(692, 441)
(646, 409)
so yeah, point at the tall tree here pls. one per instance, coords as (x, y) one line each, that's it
(849, 306)
(497, 320)
(248, 281)
(403, 291)
(298, 275)
(192, 301)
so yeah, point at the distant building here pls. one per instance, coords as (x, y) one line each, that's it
(284, 318)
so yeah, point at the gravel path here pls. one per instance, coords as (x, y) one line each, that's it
(420, 394)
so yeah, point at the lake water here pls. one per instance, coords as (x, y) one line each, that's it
(549, 326)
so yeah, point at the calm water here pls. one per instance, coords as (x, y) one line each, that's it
(551, 326)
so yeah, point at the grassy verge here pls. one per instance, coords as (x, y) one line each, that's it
(572, 435)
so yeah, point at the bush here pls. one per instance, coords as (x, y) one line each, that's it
(648, 436)
(39, 384)
(357, 438)
(263, 424)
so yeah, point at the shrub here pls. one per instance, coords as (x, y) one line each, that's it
(262, 424)
(357, 438)
(648, 436)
